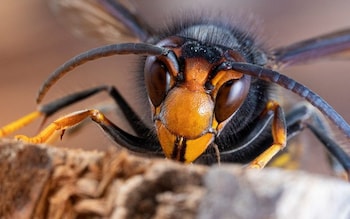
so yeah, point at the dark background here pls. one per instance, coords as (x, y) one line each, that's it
(33, 43)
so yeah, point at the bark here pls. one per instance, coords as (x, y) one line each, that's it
(46, 182)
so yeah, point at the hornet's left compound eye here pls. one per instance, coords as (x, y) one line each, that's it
(230, 97)
(157, 80)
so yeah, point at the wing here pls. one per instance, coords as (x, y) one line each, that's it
(334, 45)
(110, 20)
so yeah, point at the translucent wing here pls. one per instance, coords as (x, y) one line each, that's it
(110, 20)
(334, 45)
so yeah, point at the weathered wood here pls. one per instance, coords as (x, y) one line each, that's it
(47, 182)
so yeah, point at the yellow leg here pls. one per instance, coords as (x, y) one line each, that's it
(60, 125)
(279, 135)
(290, 159)
(14, 126)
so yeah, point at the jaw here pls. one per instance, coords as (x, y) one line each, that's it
(181, 148)
(184, 124)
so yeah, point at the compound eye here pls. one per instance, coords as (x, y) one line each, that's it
(230, 97)
(157, 80)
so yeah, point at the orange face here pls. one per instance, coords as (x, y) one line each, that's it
(192, 99)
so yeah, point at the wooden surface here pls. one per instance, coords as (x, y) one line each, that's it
(47, 182)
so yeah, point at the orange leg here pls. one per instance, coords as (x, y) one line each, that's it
(58, 127)
(16, 125)
(49, 109)
(279, 135)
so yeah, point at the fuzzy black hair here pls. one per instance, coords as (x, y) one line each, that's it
(214, 30)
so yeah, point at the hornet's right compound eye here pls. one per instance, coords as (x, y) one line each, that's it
(230, 97)
(157, 80)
